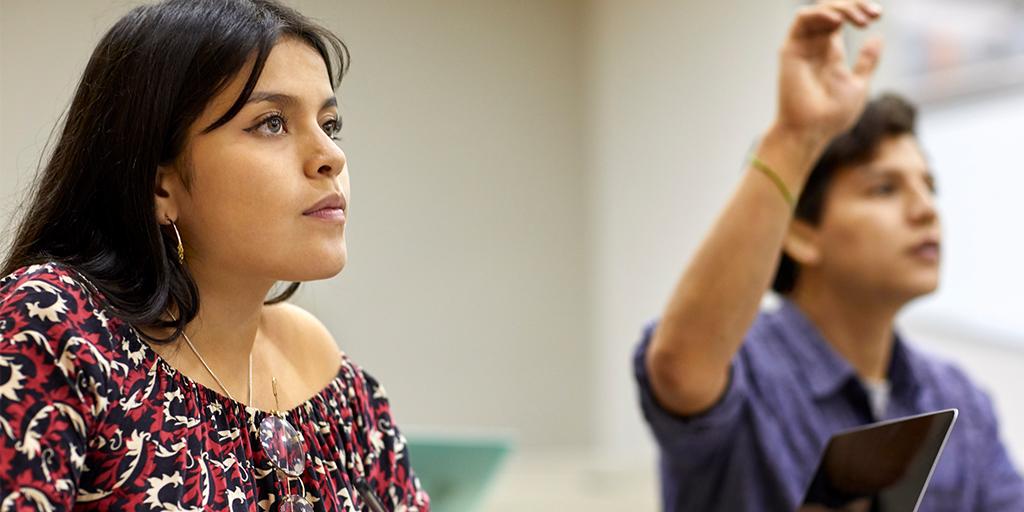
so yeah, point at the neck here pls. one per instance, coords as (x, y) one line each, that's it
(860, 329)
(230, 311)
(227, 327)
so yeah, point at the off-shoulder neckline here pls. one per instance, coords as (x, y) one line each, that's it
(209, 394)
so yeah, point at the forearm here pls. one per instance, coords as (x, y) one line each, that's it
(719, 293)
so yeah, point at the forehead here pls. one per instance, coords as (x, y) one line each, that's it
(898, 155)
(293, 62)
(292, 67)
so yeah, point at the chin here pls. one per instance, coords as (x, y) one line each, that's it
(317, 265)
(330, 266)
(923, 285)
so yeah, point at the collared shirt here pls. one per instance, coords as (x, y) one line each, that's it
(789, 391)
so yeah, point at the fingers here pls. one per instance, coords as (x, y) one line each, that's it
(826, 17)
(815, 20)
(861, 12)
(868, 58)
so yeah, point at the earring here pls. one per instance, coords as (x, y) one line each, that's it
(181, 248)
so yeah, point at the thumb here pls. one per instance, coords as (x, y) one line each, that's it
(868, 58)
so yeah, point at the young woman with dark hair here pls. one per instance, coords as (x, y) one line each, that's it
(141, 364)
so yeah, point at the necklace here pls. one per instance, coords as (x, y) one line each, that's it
(214, 375)
(285, 447)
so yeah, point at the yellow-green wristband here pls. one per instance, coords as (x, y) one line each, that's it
(774, 176)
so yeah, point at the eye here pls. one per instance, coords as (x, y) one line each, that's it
(272, 124)
(332, 128)
(882, 189)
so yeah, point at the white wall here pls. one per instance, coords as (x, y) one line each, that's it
(975, 318)
(993, 361)
(974, 147)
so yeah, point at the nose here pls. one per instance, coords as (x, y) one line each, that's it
(922, 208)
(326, 158)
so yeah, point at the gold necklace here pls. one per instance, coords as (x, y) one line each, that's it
(214, 375)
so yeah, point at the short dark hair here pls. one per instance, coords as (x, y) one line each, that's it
(148, 80)
(886, 116)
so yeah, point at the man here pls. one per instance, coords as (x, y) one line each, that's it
(742, 401)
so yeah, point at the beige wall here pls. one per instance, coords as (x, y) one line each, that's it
(466, 286)
(43, 49)
(679, 92)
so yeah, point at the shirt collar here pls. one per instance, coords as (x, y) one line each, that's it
(826, 370)
(903, 374)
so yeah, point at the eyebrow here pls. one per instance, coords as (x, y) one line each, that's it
(286, 99)
(890, 171)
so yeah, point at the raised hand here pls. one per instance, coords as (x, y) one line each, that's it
(719, 294)
(820, 95)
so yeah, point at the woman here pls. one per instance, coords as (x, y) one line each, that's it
(141, 365)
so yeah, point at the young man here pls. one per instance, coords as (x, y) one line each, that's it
(741, 401)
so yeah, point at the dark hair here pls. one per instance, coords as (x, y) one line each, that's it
(886, 116)
(148, 80)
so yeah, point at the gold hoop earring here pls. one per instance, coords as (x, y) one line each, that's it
(181, 248)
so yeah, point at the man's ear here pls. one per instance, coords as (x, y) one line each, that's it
(167, 194)
(802, 243)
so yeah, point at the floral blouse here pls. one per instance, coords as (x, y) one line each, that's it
(92, 419)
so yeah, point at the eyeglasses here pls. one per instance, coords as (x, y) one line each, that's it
(286, 449)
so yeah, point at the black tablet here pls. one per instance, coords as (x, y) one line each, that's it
(881, 467)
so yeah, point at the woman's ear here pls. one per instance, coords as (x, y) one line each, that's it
(167, 194)
(802, 243)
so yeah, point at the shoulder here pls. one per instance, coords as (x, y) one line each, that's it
(305, 334)
(301, 326)
(47, 297)
(936, 369)
(33, 281)
(53, 333)
(950, 383)
(320, 348)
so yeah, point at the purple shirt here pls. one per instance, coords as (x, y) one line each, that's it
(789, 391)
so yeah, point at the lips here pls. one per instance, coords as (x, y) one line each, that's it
(332, 201)
(929, 250)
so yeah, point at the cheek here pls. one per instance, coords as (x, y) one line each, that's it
(241, 200)
(861, 233)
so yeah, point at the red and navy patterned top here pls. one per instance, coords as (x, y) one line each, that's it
(92, 419)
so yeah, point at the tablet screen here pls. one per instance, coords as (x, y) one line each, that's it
(882, 467)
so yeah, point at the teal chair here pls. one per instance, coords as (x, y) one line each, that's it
(456, 470)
